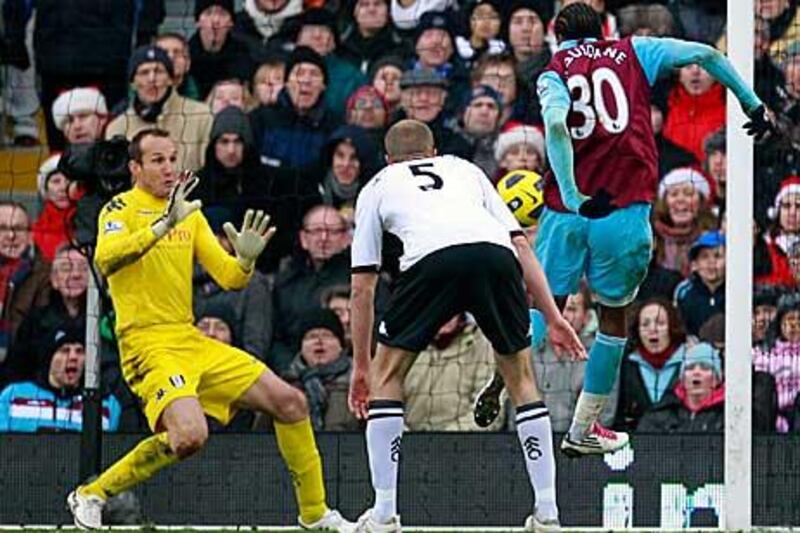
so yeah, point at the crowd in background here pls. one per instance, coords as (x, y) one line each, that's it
(282, 105)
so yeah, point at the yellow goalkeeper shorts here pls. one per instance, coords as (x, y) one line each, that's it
(163, 363)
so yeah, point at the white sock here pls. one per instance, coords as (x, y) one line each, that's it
(587, 411)
(536, 438)
(384, 435)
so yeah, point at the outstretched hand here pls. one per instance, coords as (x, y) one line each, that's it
(252, 239)
(178, 207)
(598, 206)
(565, 342)
(761, 125)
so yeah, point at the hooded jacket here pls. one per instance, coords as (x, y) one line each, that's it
(337, 195)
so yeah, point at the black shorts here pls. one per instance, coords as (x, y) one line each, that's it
(483, 279)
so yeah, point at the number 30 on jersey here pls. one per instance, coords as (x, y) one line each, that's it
(590, 102)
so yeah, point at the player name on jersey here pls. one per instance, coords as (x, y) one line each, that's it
(590, 51)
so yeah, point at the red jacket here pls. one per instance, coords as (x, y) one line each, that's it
(690, 119)
(52, 229)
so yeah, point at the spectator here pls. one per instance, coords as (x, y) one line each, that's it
(479, 124)
(76, 44)
(646, 20)
(52, 401)
(292, 133)
(785, 215)
(385, 74)
(484, 31)
(349, 165)
(323, 262)
(446, 377)
(781, 358)
(337, 299)
(268, 80)
(406, 14)
(657, 349)
(54, 227)
(423, 98)
(435, 50)
(65, 305)
(713, 332)
(784, 24)
(247, 312)
(156, 102)
(768, 78)
(560, 380)
(680, 215)
(525, 29)
(322, 371)
(23, 272)
(715, 165)
(261, 20)
(699, 20)
(765, 308)
(177, 48)
(367, 109)
(670, 155)
(217, 321)
(370, 35)
(519, 148)
(696, 404)
(500, 73)
(217, 54)
(771, 266)
(317, 30)
(81, 114)
(226, 93)
(703, 294)
(696, 108)
(788, 105)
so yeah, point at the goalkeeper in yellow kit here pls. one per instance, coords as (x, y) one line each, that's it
(148, 238)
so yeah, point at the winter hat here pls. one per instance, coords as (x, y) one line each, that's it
(389, 59)
(704, 354)
(221, 309)
(790, 185)
(149, 54)
(484, 90)
(65, 334)
(682, 175)
(202, 5)
(539, 7)
(323, 319)
(765, 295)
(304, 54)
(434, 20)
(317, 17)
(232, 120)
(519, 135)
(365, 91)
(47, 169)
(715, 142)
(709, 239)
(497, 5)
(79, 100)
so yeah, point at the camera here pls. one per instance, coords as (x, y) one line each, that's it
(101, 167)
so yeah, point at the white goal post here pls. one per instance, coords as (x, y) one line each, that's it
(739, 281)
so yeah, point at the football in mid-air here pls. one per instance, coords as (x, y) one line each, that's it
(523, 193)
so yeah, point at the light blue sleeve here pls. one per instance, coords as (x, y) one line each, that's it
(556, 102)
(659, 56)
(114, 413)
(5, 405)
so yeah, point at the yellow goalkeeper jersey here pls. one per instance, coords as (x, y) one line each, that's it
(150, 279)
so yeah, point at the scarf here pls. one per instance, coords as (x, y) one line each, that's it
(150, 112)
(677, 241)
(658, 360)
(268, 24)
(313, 379)
(334, 191)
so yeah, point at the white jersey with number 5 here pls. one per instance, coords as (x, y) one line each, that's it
(429, 204)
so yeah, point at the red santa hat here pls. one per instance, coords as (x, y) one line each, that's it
(790, 185)
(689, 175)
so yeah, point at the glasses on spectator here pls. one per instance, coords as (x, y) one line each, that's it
(489, 79)
(319, 232)
(367, 103)
(14, 228)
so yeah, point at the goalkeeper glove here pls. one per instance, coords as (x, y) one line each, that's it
(178, 208)
(761, 125)
(252, 239)
(598, 206)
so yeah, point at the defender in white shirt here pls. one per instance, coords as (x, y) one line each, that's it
(462, 251)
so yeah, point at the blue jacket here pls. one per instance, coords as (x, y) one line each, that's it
(27, 407)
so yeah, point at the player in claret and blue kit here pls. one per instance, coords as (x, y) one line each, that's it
(595, 98)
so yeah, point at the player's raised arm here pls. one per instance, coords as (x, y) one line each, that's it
(658, 56)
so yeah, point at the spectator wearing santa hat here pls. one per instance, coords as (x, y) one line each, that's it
(519, 148)
(680, 215)
(81, 114)
(785, 215)
(54, 226)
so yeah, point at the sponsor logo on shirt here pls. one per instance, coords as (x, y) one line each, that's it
(112, 226)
